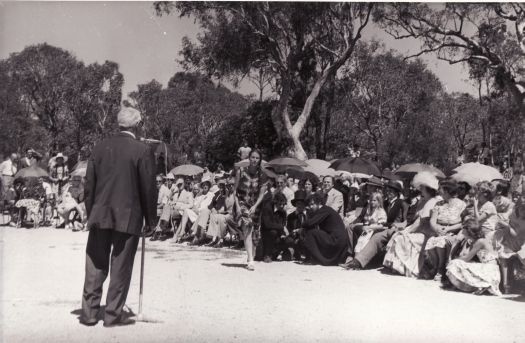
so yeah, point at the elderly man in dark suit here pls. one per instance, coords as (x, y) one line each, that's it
(120, 194)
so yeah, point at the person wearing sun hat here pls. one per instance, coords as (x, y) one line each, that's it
(165, 190)
(120, 197)
(405, 250)
(59, 174)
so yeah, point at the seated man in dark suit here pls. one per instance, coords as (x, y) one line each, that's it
(396, 211)
(273, 225)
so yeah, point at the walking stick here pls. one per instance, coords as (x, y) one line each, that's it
(140, 315)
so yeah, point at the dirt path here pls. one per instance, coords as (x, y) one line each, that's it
(204, 295)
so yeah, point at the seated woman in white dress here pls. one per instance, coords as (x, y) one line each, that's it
(445, 219)
(405, 250)
(198, 214)
(475, 268)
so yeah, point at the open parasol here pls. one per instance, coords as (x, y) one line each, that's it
(32, 171)
(475, 172)
(187, 170)
(287, 162)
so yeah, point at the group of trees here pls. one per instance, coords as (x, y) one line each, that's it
(51, 101)
(329, 88)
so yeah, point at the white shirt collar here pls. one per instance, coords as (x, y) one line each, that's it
(130, 133)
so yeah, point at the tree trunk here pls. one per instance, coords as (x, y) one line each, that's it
(281, 110)
(297, 148)
(328, 117)
(318, 138)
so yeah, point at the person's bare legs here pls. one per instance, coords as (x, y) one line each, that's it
(247, 229)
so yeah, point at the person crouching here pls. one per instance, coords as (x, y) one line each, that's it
(273, 225)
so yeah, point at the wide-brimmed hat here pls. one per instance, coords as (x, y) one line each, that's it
(170, 176)
(426, 179)
(206, 179)
(299, 195)
(374, 181)
(60, 155)
(394, 185)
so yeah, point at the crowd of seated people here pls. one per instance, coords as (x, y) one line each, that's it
(470, 238)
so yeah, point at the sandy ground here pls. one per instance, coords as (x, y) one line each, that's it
(204, 295)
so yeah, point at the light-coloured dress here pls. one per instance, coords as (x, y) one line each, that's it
(448, 213)
(403, 253)
(377, 217)
(475, 276)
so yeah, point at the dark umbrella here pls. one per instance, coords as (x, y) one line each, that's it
(295, 172)
(389, 175)
(29, 172)
(356, 165)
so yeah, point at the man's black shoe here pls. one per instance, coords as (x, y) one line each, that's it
(88, 322)
(120, 322)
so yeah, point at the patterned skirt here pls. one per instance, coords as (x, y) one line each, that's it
(404, 253)
(474, 276)
(249, 224)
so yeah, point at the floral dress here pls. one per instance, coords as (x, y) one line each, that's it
(248, 190)
(475, 277)
(448, 213)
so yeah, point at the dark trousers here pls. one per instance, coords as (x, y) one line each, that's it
(98, 259)
(354, 232)
(272, 244)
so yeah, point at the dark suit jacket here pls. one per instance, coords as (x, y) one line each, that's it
(292, 222)
(270, 219)
(396, 212)
(120, 186)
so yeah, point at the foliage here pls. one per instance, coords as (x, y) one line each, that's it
(476, 34)
(241, 37)
(57, 101)
(186, 112)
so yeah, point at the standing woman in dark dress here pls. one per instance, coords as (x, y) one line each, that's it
(328, 244)
(250, 187)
